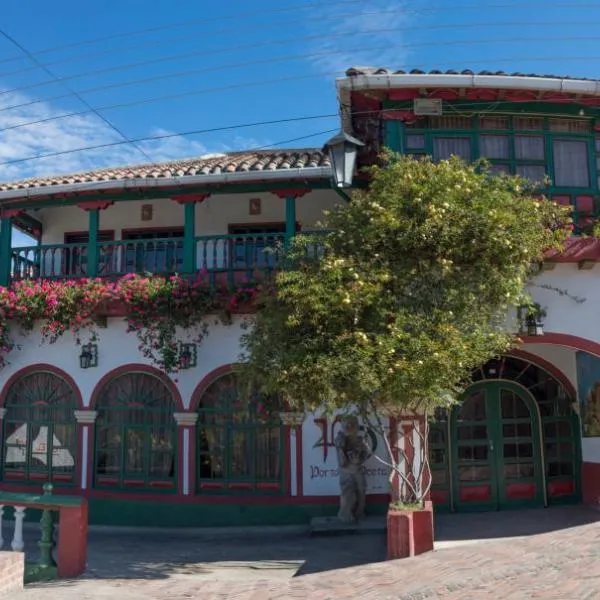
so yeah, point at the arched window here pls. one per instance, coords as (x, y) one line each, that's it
(40, 430)
(238, 451)
(136, 434)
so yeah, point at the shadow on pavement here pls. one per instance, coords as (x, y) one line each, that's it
(511, 523)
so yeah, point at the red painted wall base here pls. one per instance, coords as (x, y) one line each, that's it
(590, 483)
(409, 533)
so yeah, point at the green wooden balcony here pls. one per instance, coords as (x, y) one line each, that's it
(226, 258)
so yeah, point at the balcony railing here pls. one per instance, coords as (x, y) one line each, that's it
(223, 257)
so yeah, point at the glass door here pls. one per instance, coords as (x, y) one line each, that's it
(496, 450)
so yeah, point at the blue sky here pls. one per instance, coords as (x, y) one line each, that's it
(245, 62)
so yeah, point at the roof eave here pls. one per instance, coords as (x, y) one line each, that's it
(399, 81)
(235, 178)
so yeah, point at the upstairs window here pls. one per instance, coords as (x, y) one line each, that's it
(571, 167)
(445, 147)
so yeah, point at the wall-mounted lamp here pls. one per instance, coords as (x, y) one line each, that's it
(342, 150)
(188, 356)
(89, 356)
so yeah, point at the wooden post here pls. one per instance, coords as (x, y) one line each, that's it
(5, 250)
(93, 254)
(189, 238)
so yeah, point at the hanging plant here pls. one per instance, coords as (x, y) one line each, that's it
(157, 309)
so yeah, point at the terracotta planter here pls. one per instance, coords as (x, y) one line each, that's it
(409, 533)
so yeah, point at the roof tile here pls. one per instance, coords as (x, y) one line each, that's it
(233, 162)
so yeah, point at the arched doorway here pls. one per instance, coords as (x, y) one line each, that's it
(136, 434)
(513, 440)
(39, 428)
(496, 448)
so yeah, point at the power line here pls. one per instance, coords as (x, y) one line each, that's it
(195, 53)
(295, 39)
(246, 64)
(78, 96)
(187, 23)
(300, 7)
(256, 149)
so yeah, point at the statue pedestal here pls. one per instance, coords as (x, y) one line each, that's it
(333, 526)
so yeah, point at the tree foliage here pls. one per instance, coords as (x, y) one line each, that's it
(408, 293)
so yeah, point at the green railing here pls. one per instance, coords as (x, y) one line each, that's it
(71, 514)
(224, 257)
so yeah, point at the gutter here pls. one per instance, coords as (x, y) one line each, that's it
(507, 82)
(164, 182)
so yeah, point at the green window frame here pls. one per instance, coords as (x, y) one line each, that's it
(531, 142)
(238, 450)
(136, 434)
(40, 407)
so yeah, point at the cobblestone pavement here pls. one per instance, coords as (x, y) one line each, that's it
(549, 554)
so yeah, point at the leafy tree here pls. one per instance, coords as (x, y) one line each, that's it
(391, 311)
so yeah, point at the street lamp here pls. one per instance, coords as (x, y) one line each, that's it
(342, 149)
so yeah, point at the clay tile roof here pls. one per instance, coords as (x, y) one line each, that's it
(355, 71)
(234, 162)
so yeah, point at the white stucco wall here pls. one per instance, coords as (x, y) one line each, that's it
(565, 315)
(117, 348)
(213, 215)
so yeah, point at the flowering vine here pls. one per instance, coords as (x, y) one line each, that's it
(157, 309)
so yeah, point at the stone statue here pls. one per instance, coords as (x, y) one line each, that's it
(352, 452)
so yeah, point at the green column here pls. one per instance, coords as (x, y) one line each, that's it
(189, 238)
(290, 218)
(46, 542)
(93, 254)
(5, 250)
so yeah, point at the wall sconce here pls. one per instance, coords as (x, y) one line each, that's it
(188, 356)
(89, 356)
(532, 320)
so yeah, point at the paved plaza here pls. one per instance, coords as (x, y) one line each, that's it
(552, 553)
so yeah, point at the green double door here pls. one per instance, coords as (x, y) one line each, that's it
(496, 449)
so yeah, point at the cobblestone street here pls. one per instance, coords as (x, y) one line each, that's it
(552, 553)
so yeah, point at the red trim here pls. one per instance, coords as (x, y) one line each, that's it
(41, 367)
(11, 213)
(288, 460)
(180, 471)
(299, 463)
(398, 115)
(206, 381)
(291, 192)
(565, 339)
(546, 366)
(94, 204)
(190, 198)
(137, 368)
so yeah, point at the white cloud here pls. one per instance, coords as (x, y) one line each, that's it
(346, 41)
(79, 132)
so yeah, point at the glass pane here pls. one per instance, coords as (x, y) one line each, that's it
(444, 148)
(513, 430)
(571, 168)
(212, 453)
(437, 435)
(134, 451)
(494, 146)
(437, 456)
(240, 453)
(498, 169)
(479, 432)
(522, 450)
(528, 123)
(529, 147)
(439, 477)
(513, 406)
(473, 408)
(473, 453)
(448, 122)
(474, 473)
(415, 140)
(493, 123)
(556, 469)
(569, 125)
(535, 173)
(519, 471)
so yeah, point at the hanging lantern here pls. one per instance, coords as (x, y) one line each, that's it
(188, 356)
(342, 150)
(89, 356)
